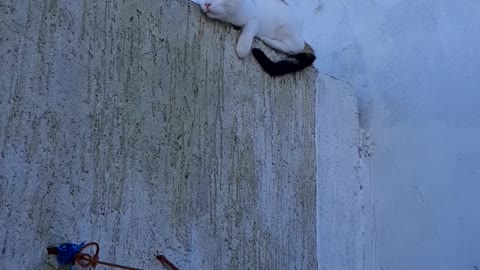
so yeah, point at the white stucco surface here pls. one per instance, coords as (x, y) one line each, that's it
(415, 66)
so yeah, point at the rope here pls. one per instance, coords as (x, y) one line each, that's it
(69, 254)
(166, 262)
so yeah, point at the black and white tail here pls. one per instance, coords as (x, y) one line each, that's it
(291, 64)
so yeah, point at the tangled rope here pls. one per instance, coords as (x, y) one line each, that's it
(69, 254)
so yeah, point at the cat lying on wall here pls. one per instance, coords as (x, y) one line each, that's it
(273, 22)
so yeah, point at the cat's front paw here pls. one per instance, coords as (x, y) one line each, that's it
(243, 51)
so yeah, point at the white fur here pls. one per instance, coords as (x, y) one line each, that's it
(272, 21)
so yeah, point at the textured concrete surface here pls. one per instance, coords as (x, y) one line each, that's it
(133, 124)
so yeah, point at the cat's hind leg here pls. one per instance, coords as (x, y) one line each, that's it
(289, 47)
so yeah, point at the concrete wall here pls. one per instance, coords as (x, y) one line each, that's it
(133, 124)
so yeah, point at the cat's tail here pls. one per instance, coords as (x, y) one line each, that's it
(291, 64)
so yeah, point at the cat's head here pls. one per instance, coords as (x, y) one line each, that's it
(220, 9)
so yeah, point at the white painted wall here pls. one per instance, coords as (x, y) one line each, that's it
(416, 68)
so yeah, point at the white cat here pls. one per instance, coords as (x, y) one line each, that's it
(273, 22)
